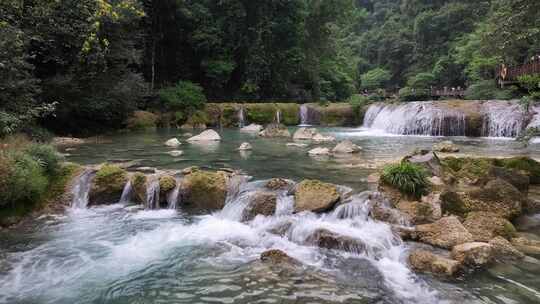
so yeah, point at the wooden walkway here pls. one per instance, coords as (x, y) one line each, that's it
(510, 74)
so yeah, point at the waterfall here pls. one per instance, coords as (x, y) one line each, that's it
(127, 193)
(173, 196)
(415, 118)
(81, 189)
(152, 194)
(503, 119)
(278, 116)
(241, 117)
(304, 115)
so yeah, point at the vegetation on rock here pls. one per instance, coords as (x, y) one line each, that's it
(407, 178)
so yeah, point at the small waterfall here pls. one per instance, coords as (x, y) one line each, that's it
(357, 206)
(127, 193)
(173, 196)
(241, 117)
(278, 116)
(152, 194)
(304, 115)
(503, 119)
(81, 189)
(415, 118)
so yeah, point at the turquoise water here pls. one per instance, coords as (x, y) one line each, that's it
(118, 254)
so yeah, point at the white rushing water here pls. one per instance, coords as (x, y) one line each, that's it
(81, 189)
(304, 115)
(241, 117)
(415, 118)
(152, 193)
(278, 116)
(127, 193)
(503, 119)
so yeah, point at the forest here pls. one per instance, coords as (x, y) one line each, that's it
(82, 66)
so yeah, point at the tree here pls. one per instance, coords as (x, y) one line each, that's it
(375, 79)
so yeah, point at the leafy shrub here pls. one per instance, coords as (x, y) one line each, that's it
(198, 118)
(46, 157)
(38, 134)
(421, 81)
(406, 177)
(487, 89)
(185, 96)
(375, 79)
(142, 120)
(412, 94)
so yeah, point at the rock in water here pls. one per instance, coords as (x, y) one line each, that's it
(275, 256)
(205, 190)
(304, 134)
(208, 135)
(473, 254)
(503, 250)
(446, 147)
(346, 147)
(275, 130)
(245, 147)
(321, 138)
(255, 128)
(173, 142)
(315, 196)
(485, 226)
(262, 203)
(428, 160)
(279, 184)
(330, 240)
(425, 261)
(319, 151)
(529, 247)
(107, 185)
(297, 145)
(445, 233)
(176, 153)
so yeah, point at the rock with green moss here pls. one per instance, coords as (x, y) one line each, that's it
(315, 196)
(167, 183)
(526, 164)
(138, 183)
(290, 113)
(275, 130)
(261, 113)
(262, 203)
(485, 226)
(205, 190)
(107, 185)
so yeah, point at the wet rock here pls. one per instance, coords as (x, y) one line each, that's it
(321, 138)
(275, 130)
(297, 145)
(445, 233)
(190, 170)
(138, 183)
(429, 161)
(426, 261)
(315, 196)
(276, 256)
(427, 210)
(503, 250)
(252, 128)
(446, 147)
(527, 246)
(205, 190)
(484, 226)
(319, 151)
(107, 185)
(173, 142)
(145, 170)
(262, 203)
(330, 240)
(166, 184)
(245, 147)
(206, 136)
(473, 254)
(176, 153)
(304, 134)
(346, 147)
(279, 184)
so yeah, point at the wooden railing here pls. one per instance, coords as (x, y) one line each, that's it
(511, 74)
(448, 92)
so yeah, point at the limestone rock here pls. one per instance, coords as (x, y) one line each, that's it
(484, 226)
(473, 254)
(529, 247)
(345, 147)
(245, 147)
(262, 203)
(304, 134)
(275, 256)
(426, 261)
(205, 190)
(446, 147)
(107, 185)
(445, 233)
(319, 151)
(503, 250)
(430, 161)
(208, 135)
(279, 184)
(321, 138)
(275, 130)
(176, 153)
(252, 128)
(166, 183)
(138, 182)
(330, 240)
(173, 142)
(315, 196)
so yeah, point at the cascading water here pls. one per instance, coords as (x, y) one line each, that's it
(503, 119)
(173, 196)
(152, 194)
(278, 116)
(304, 115)
(415, 118)
(127, 193)
(81, 189)
(241, 117)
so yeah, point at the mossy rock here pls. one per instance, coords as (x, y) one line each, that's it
(526, 164)
(337, 114)
(166, 183)
(465, 167)
(138, 183)
(315, 196)
(229, 115)
(261, 113)
(199, 119)
(213, 114)
(108, 185)
(205, 190)
(142, 120)
(290, 113)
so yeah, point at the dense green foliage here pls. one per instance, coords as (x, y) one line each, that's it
(406, 177)
(85, 66)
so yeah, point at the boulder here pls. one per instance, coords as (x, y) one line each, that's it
(484, 226)
(427, 210)
(321, 138)
(138, 183)
(330, 240)
(516, 178)
(176, 153)
(430, 161)
(426, 261)
(527, 246)
(245, 147)
(315, 196)
(319, 151)
(279, 184)
(166, 183)
(107, 185)
(346, 147)
(275, 130)
(173, 142)
(207, 135)
(262, 203)
(276, 256)
(503, 250)
(446, 147)
(473, 254)
(304, 134)
(445, 233)
(252, 128)
(205, 190)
